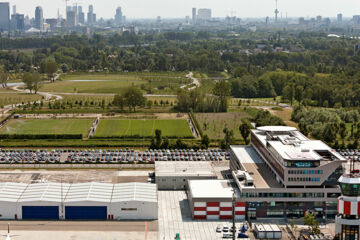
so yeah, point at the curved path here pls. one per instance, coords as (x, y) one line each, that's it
(195, 82)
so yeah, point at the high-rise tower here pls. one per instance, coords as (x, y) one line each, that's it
(276, 11)
(39, 18)
(4, 16)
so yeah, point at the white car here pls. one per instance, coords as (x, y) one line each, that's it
(225, 228)
(218, 229)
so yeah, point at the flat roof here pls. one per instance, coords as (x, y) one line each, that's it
(184, 168)
(212, 189)
(291, 144)
(251, 162)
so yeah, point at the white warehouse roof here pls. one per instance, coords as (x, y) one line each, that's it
(50, 192)
(11, 192)
(142, 192)
(77, 192)
(92, 191)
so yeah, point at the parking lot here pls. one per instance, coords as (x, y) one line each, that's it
(175, 217)
(115, 156)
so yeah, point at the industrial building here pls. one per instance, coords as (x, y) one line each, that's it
(213, 200)
(174, 175)
(282, 175)
(80, 201)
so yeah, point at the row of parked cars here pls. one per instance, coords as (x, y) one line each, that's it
(29, 156)
(351, 154)
(148, 156)
(109, 156)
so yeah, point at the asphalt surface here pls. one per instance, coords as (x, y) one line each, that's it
(123, 226)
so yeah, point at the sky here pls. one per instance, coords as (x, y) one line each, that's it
(181, 8)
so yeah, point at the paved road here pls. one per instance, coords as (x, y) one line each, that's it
(125, 226)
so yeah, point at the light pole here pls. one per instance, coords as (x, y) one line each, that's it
(233, 215)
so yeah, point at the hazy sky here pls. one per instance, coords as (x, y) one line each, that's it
(181, 8)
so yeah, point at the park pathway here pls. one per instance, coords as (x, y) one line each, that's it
(195, 82)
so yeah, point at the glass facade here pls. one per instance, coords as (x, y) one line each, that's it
(351, 190)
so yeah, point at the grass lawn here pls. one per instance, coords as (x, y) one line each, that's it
(131, 127)
(10, 97)
(212, 124)
(47, 126)
(114, 83)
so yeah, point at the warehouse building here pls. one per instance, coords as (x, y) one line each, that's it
(174, 175)
(81, 201)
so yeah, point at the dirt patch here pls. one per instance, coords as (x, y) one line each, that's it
(285, 115)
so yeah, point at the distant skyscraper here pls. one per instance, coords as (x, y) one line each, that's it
(71, 19)
(194, 15)
(118, 16)
(39, 18)
(339, 17)
(4, 16)
(17, 22)
(91, 16)
(81, 16)
(204, 14)
(319, 18)
(14, 9)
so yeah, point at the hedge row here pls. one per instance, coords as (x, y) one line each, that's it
(195, 121)
(40, 136)
(138, 137)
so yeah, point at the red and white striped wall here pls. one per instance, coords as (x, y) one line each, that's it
(344, 206)
(218, 210)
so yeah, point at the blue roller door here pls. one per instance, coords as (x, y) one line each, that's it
(40, 212)
(85, 213)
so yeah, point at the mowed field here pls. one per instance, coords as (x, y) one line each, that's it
(172, 128)
(114, 83)
(47, 126)
(213, 124)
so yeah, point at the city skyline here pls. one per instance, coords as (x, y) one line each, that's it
(171, 9)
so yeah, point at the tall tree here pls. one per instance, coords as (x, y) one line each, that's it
(222, 90)
(134, 98)
(32, 82)
(4, 76)
(245, 129)
(228, 139)
(342, 132)
(50, 68)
